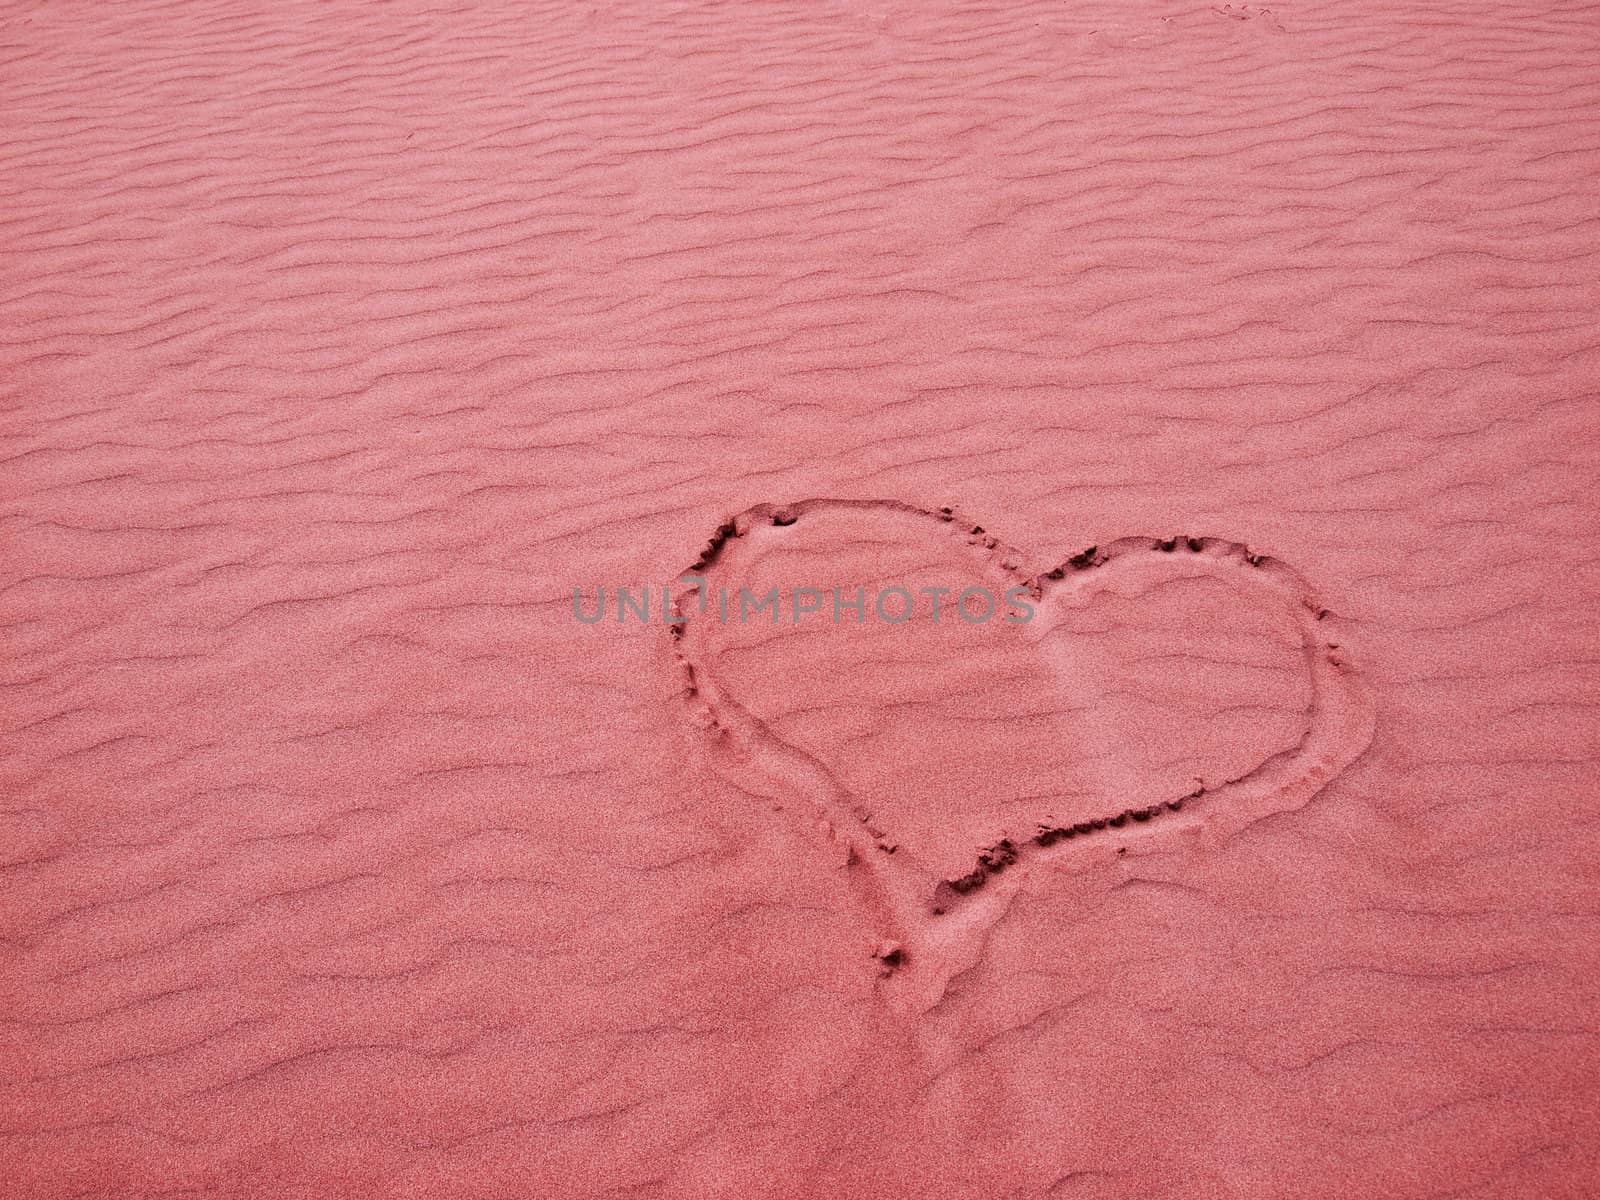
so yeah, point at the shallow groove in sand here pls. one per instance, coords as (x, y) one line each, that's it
(930, 926)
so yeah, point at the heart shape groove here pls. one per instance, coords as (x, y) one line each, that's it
(933, 894)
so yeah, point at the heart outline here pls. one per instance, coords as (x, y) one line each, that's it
(929, 934)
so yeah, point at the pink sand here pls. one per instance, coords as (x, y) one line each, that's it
(339, 343)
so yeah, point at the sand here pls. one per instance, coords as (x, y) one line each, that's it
(341, 344)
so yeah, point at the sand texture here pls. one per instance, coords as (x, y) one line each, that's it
(340, 343)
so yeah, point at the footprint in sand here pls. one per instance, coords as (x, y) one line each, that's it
(1244, 12)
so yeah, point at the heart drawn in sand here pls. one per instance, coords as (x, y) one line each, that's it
(1145, 693)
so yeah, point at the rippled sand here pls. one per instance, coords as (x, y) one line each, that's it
(340, 344)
